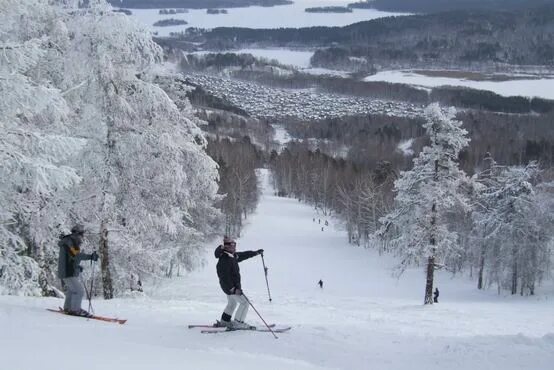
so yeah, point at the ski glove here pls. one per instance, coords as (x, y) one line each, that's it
(94, 256)
(238, 291)
(260, 251)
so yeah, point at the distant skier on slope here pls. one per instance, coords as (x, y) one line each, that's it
(228, 272)
(69, 267)
(320, 283)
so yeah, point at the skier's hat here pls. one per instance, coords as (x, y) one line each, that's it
(78, 229)
(228, 240)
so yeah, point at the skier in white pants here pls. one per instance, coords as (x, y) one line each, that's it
(228, 272)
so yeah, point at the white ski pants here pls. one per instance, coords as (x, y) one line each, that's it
(74, 293)
(233, 301)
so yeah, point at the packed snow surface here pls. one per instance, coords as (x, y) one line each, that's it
(363, 318)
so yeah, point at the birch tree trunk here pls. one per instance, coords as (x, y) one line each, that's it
(107, 284)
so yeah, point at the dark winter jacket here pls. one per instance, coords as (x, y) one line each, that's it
(228, 269)
(70, 256)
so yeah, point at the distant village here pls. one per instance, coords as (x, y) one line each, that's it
(266, 102)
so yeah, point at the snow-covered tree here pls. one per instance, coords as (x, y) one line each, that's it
(34, 147)
(418, 225)
(90, 138)
(145, 172)
(513, 227)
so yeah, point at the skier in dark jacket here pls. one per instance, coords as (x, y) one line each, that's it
(228, 272)
(69, 268)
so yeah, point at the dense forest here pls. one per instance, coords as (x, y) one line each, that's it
(451, 39)
(430, 6)
(367, 140)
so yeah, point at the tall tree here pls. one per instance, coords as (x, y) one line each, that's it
(35, 146)
(145, 165)
(418, 225)
(79, 77)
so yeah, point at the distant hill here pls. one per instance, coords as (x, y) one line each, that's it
(440, 39)
(194, 4)
(432, 6)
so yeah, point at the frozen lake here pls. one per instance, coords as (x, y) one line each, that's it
(262, 17)
(543, 88)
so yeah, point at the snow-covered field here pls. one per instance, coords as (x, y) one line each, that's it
(296, 58)
(299, 59)
(262, 17)
(281, 135)
(363, 318)
(543, 88)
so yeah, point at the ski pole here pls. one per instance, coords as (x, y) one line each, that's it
(266, 282)
(260, 316)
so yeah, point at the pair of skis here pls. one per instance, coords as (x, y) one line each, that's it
(92, 317)
(205, 329)
(211, 329)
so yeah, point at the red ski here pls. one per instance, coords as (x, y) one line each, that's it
(93, 317)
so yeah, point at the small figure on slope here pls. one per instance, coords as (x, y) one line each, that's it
(436, 295)
(228, 272)
(320, 283)
(69, 267)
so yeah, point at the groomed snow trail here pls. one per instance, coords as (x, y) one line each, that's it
(363, 318)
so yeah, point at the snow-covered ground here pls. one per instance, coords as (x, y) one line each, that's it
(282, 137)
(296, 58)
(363, 318)
(543, 88)
(262, 17)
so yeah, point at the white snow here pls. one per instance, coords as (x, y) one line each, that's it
(363, 318)
(405, 147)
(281, 135)
(325, 71)
(297, 58)
(262, 17)
(543, 88)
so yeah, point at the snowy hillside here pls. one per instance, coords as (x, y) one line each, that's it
(363, 318)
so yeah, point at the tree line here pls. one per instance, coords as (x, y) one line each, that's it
(430, 6)
(477, 39)
(368, 139)
(238, 185)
